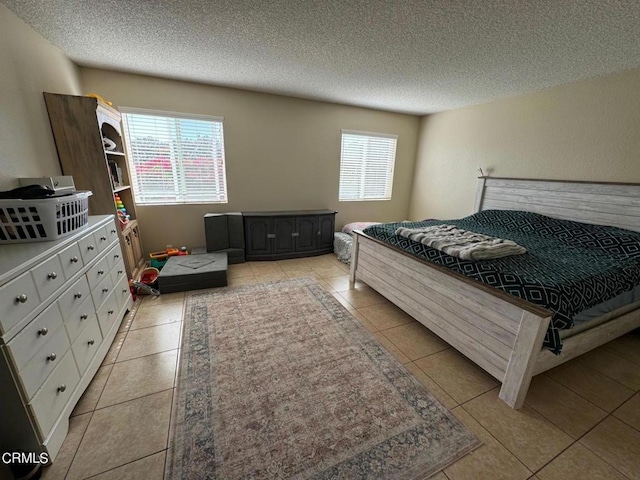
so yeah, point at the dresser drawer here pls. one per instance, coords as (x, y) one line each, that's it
(102, 239)
(71, 260)
(74, 296)
(44, 361)
(108, 314)
(122, 292)
(98, 273)
(48, 277)
(114, 256)
(78, 320)
(102, 291)
(117, 272)
(18, 298)
(56, 391)
(86, 345)
(88, 248)
(35, 336)
(112, 231)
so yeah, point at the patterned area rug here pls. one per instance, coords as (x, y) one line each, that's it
(279, 381)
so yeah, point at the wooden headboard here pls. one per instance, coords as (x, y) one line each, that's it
(616, 204)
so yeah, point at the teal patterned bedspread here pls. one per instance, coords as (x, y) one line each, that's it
(569, 266)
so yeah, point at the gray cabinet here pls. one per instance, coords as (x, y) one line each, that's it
(288, 234)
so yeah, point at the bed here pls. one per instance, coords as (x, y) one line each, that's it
(502, 333)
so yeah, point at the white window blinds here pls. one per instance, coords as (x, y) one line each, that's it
(175, 158)
(366, 166)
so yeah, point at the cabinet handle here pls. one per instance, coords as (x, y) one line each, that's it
(318, 233)
(43, 331)
(112, 232)
(116, 256)
(124, 290)
(62, 388)
(105, 290)
(103, 238)
(51, 357)
(77, 295)
(91, 247)
(120, 272)
(74, 259)
(22, 298)
(110, 312)
(100, 272)
(296, 234)
(271, 235)
(84, 316)
(91, 342)
(52, 276)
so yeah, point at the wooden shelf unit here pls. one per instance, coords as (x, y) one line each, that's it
(79, 125)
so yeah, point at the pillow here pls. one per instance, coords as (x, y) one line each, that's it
(350, 227)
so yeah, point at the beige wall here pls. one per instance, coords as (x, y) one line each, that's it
(282, 153)
(588, 130)
(29, 65)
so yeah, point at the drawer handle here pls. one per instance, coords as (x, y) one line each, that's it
(91, 342)
(120, 272)
(84, 316)
(110, 312)
(103, 238)
(295, 234)
(62, 388)
(124, 290)
(77, 295)
(271, 235)
(113, 231)
(116, 256)
(52, 276)
(105, 290)
(51, 357)
(22, 298)
(74, 259)
(43, 331)
(100, 272)
(91, 247)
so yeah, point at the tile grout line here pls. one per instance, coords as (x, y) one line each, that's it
(79, 443)
(124, 464)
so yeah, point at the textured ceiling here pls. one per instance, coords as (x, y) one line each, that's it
(408, 56)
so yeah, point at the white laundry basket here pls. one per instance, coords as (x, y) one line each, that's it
(44, 219)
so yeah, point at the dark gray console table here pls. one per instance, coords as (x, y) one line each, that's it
(288, 234)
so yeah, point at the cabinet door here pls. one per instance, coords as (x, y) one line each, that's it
(284, 229)
(129, 257)
(307, 228)
(325, 231)
(137, 245)
(258, 235)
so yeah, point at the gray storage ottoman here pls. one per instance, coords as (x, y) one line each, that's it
(192, 272)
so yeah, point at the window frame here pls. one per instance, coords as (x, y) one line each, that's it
(174, 115)
(390, 178)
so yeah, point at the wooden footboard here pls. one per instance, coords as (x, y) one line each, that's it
(500, 333)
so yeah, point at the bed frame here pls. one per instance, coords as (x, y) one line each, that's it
(501, 333)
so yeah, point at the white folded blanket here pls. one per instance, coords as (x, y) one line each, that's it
(461, 243)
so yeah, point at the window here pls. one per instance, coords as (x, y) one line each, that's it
(366, 166)
(175, 158)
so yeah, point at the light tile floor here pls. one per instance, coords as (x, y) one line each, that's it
(580, 421)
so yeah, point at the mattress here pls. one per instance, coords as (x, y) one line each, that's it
(569, 268)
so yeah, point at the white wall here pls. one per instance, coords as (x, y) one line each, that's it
(282, 153)
(29, 65)
(588, 130)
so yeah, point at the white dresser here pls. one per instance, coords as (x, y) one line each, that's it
(61, 304)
